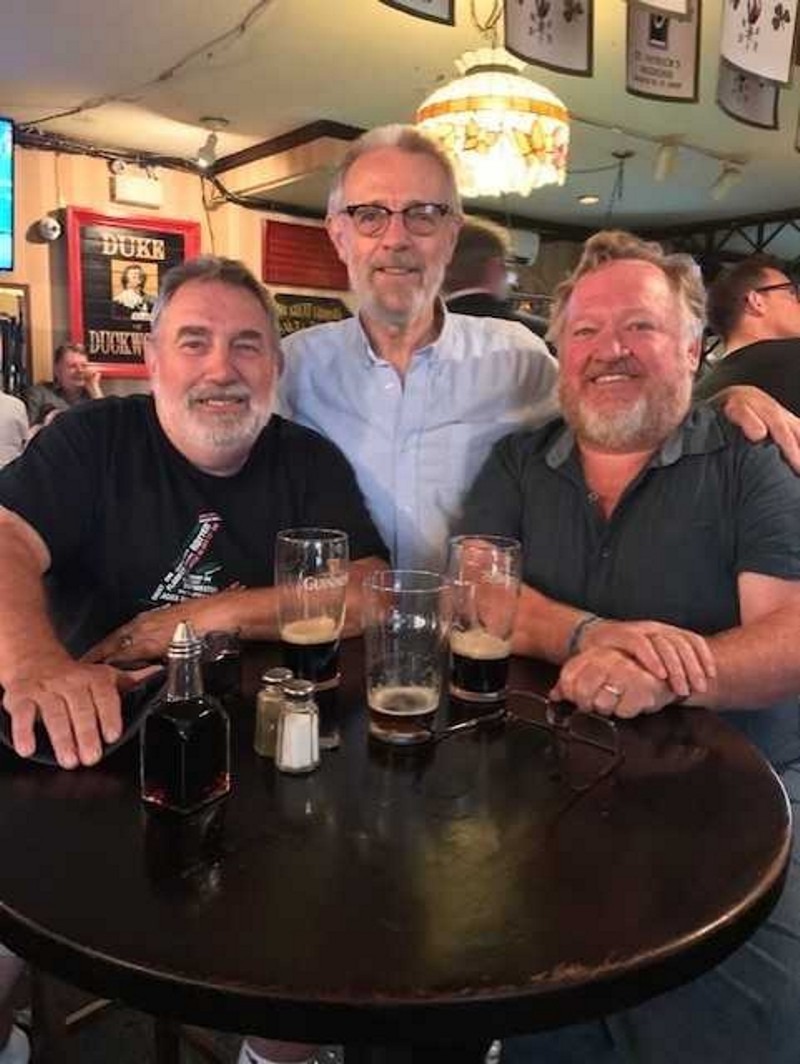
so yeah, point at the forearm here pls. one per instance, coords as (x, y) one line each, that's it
(359, 571)
(27, 638)
(543, 626)
(757, 664)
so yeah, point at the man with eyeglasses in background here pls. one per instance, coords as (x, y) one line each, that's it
(414, 395)
(755, 310)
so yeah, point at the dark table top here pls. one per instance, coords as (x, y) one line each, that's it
(459, 891)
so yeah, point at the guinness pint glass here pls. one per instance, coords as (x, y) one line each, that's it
(485, 574)
(311, 577)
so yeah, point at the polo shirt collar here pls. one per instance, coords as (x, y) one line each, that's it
(700, 432)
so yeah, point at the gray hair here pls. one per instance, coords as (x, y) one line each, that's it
(610, 245)
(404, 138)
(214, 268)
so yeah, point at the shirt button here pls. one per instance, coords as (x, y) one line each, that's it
(592, 496)
(605, 552)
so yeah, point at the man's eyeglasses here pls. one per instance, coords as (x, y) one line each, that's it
(793, 286)
(420, 219)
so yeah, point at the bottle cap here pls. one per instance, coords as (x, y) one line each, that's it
(298, 690)
(185, 641)
(276, 677)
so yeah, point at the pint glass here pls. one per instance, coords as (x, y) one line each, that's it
(311, 578)
(485, 574)
(406, 619)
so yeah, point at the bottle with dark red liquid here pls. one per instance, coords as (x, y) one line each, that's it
(185, 739)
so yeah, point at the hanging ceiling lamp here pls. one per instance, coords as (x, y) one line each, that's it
(503, 132)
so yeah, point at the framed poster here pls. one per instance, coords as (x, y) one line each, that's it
(114, 269)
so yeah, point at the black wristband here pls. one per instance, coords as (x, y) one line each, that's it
(573, 646)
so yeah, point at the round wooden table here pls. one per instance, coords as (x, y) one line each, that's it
(441, 895)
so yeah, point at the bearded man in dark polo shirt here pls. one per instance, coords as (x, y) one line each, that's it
(661, 558)
(129, 515)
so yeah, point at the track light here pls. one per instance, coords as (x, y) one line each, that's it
(665, 161)
(207, 155)
(729, 178)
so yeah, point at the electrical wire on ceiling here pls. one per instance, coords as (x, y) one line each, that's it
(126, 96)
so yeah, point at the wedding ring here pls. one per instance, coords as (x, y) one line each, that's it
(125, 641)
(612, 690)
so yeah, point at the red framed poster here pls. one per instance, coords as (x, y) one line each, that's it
(114, 269)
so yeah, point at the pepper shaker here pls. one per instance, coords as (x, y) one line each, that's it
(269, 703)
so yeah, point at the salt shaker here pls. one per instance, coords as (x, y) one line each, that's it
(269, 703)
(297, 748)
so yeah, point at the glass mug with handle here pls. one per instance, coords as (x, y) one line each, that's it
(311, 571)
(406, 620)
(485, 575)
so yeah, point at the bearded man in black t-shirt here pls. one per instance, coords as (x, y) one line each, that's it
(127, 515)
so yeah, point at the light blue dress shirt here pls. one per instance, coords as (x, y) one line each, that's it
(416, 444)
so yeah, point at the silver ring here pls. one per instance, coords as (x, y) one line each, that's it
(125, 641)
(612, 690)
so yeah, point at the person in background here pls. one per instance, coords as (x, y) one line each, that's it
(661, 562)
(477, 280)
(13, 427)
(754, 308)
(414, 395)
(75, 380)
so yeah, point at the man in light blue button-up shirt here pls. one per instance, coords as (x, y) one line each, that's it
(413, 395)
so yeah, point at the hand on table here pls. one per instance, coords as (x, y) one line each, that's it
(608, 681)
(680, 658)
(78, 703)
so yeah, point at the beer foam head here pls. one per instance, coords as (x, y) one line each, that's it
(480, 644)
(310, 630)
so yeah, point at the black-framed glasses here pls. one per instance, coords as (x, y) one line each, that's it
(420, 219)
(586, 746)
(794, 286)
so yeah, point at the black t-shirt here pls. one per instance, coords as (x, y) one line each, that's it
(131, 524)
(773, 365)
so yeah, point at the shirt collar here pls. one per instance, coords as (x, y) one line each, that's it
(373, 358)
(700, 432)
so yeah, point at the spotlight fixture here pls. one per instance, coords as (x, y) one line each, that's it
(665, 160)
(588, 200)
(729, 178)
(207, 155)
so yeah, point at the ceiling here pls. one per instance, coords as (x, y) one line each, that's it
(142, 76)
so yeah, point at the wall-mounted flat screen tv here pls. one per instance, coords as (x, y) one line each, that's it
(6, 194)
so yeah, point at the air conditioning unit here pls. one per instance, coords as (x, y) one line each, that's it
(524, 246)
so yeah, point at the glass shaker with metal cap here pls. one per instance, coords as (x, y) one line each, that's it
(269, 703)
(185, 738)
(297, 749)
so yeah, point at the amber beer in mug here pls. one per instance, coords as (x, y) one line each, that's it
(485, 574)
(406, 618)
(311, 576)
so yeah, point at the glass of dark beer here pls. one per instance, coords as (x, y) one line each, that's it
(406, 620)
(485, 574)
(311, 577)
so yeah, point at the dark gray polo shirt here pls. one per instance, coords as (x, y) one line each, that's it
(708, 506)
